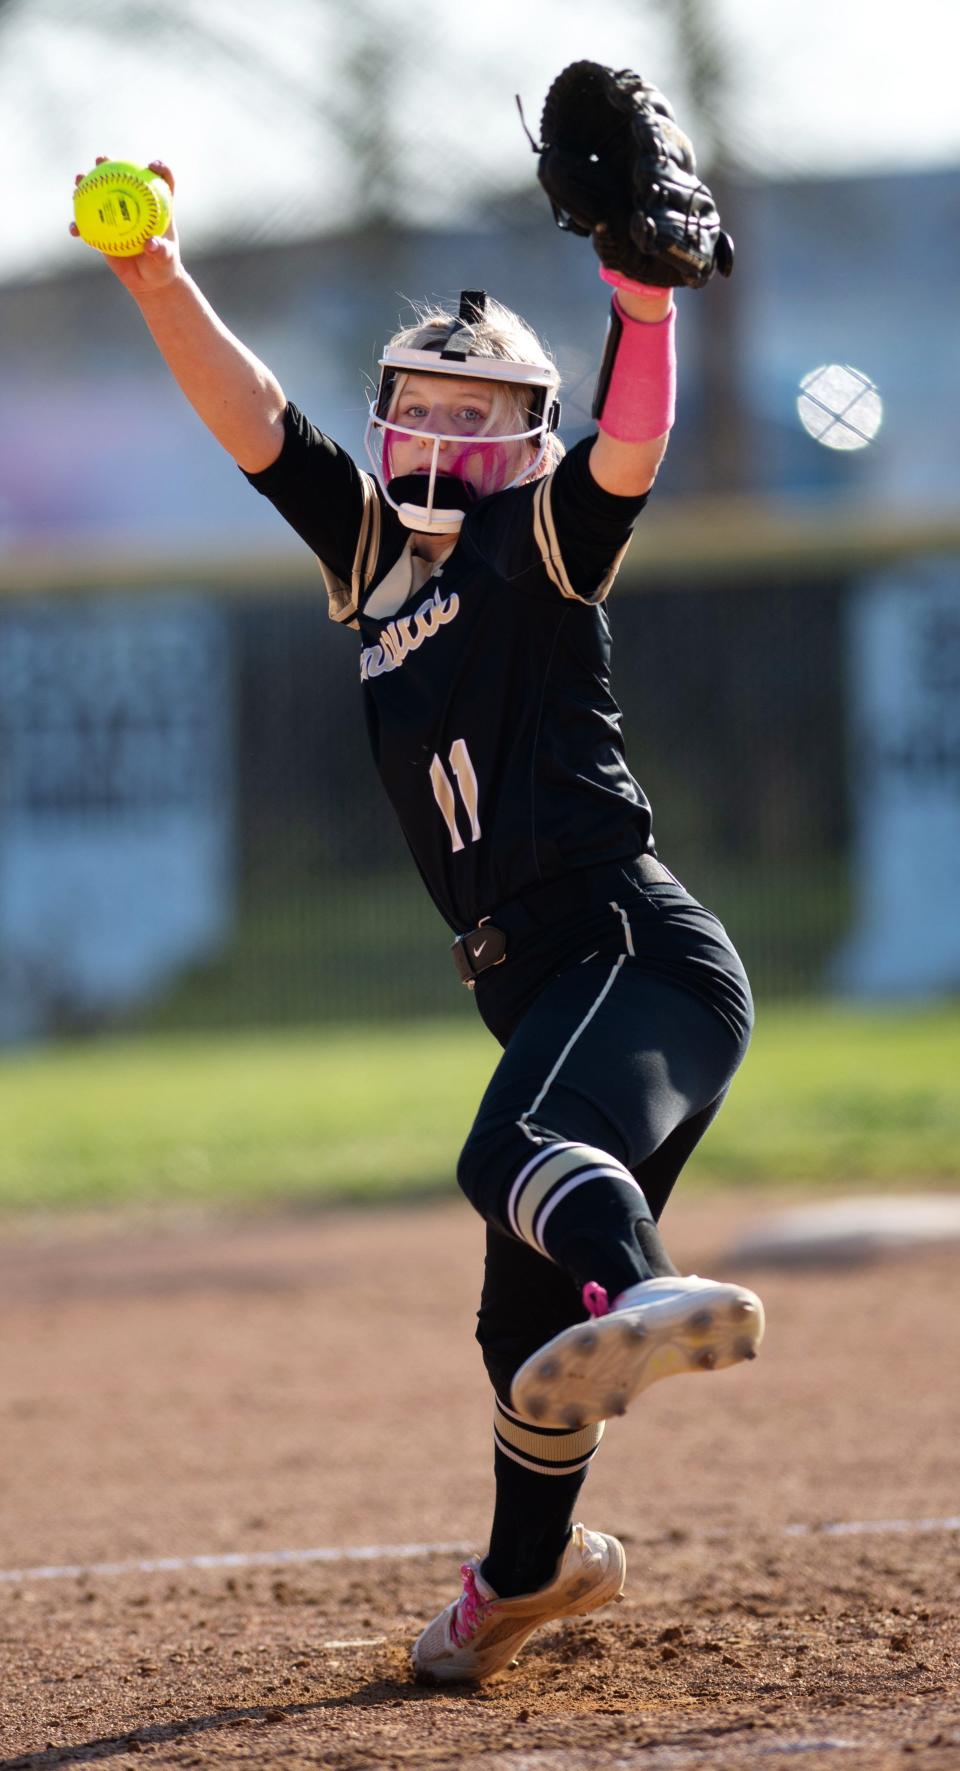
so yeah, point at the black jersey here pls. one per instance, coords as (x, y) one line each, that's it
(486, 676)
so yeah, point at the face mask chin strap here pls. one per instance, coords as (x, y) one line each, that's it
(445, 519)
(403, 493)
(434, 460)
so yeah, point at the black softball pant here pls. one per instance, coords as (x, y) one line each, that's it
(622, 1029)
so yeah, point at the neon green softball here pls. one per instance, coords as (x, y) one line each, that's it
(118, 206)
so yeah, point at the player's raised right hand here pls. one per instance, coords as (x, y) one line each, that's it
(159, 262)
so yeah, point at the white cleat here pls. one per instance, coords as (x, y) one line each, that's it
(655, 1329)
(479, 1634)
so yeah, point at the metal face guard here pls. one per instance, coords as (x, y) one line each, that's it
(428, 516)
(540, 384)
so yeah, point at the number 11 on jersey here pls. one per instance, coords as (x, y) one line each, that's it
(443, 791)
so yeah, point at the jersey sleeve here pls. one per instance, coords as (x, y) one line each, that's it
(331, 504)
(559, 533)
(581, 531)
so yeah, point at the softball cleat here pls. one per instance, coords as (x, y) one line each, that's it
(479, 1634)
(655, 1329)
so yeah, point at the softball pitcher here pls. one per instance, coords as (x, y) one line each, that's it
(474, 565)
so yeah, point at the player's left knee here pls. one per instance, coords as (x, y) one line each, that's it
(494, 1154)
(485, 1158)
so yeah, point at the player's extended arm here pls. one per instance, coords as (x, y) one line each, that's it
(617, 463)
(617, 169)
(236, 396)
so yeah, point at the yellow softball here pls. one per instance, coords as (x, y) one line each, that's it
(118, 206)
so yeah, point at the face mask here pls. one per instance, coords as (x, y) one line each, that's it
(436, 500)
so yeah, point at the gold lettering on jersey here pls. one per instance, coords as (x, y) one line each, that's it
(399, 638)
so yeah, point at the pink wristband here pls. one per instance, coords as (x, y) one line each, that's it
(619, 281)
(636, 392)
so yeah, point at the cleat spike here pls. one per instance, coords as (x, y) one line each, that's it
(634, 1331)
(536, 1407)
(573, 1419)
(746, 1350)
(707, 1359)
(587, 1341)
(702, 1320)
(549, 1370)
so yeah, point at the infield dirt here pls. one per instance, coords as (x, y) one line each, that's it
(179, 1385)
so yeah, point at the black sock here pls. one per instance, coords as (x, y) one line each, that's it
(539, 1473)
(582, 1208)
(606, 1234)
(648, 1236)
(531, 1527)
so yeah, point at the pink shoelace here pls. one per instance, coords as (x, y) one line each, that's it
(471, 1610)
(595, 1299)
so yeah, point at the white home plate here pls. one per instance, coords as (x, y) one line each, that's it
(845, 1230)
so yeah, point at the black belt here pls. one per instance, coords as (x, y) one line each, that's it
(486, 945)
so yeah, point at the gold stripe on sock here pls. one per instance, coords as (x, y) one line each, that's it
(567, 1160)
(540, 1468)
(547, 1445)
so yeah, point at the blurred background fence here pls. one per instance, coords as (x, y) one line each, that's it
(192, 833)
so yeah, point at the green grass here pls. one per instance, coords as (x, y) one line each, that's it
(832, 1095)
(827, 1095)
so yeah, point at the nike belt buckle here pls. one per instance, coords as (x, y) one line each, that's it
(477, 951)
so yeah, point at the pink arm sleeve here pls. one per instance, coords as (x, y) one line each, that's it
(636, 392)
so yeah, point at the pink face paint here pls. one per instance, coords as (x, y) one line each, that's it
(485, 465)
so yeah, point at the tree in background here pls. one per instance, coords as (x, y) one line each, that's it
(384, 128)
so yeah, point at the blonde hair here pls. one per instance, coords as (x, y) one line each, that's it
(499, 332)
